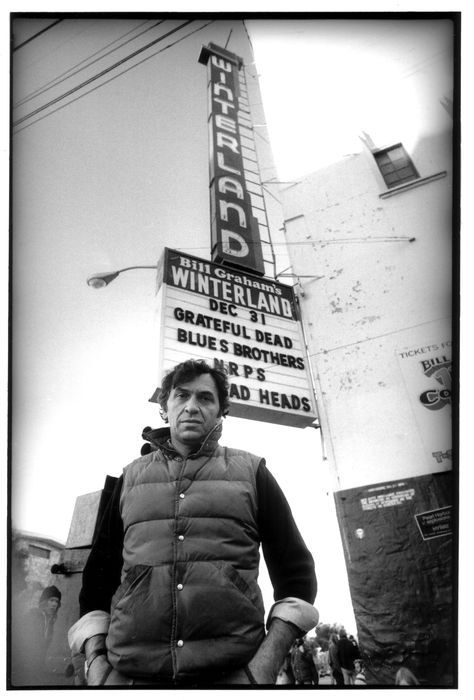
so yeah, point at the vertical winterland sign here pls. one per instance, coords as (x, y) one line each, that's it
(235, 236)
(245, 324)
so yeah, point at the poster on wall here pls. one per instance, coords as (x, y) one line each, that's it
(402, 531)
(427, 374)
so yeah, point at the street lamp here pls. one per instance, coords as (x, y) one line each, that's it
(102, 279)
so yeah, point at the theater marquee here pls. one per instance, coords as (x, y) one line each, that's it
(247, 324)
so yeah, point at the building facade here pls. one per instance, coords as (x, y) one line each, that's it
(372, 238)
(32, 558)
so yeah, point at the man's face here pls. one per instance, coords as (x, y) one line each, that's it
(193, 410)
(52, 604)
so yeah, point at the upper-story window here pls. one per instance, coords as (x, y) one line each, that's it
(395, 165)
(36, 551)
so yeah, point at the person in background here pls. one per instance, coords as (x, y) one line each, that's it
(314, 651)
(406, 677)
(334, 662)
(359, 678)
(304, 670)
(32, 639)
(322, 662)
(170, 594)
(347, 652)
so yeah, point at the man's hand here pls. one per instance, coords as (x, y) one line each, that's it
(271, 654)
(257, 675)
(262, 672)
(98, 668)
(268, 660)
(98, 671)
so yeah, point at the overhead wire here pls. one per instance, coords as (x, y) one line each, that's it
(326, 351)
(147, 58)
(42, 31)
(377, 337)
(249, 40)
(100, 74)
(260, 136)
(71, 72)
(228, 39)
(322, 241)
(421, 65)
(271, 194)
(367, 239)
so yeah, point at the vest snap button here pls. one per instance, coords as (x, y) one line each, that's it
(179, 586)
(180, 538)
(180, 643)
(181, 495)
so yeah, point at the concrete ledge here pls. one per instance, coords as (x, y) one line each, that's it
(411, 185)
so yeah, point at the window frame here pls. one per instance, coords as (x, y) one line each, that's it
(390, 171)
(35, 550)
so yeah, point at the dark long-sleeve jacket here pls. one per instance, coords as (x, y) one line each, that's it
(348, 652)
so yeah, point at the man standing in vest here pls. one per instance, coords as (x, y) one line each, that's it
(170, 595)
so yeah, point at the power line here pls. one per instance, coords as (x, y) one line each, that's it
(257, 133)
(271, 194)
(324, 241)
(147, 58)
(367, 239)
(420, 65)
(376, 337)
(99, 75)
(366, 340)
(249, 40)
(70, 72)
(228, 39)
(50, 26)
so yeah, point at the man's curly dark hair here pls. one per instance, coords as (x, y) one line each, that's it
(186, 372)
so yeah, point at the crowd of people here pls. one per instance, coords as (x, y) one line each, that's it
(308, 663)
(334, 660)
(343, 654)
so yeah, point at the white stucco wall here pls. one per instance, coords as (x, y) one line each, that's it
(374, 296)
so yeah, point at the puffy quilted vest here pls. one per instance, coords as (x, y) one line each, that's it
(189, 606)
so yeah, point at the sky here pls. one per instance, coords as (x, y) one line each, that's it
(106, 182)
(341, 78)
